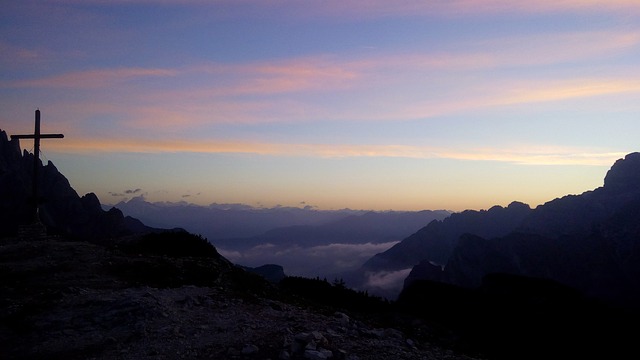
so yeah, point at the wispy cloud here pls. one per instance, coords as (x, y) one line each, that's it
(271, 90)
(517, 91)
(100, 78)
(16, 55)
(381, 4)
(324, 72)
(457, 8)
(529, 155)
(413, 85)
(549, 5)
(366, 9)
(578, 88)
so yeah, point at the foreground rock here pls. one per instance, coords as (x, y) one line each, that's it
(77, 300)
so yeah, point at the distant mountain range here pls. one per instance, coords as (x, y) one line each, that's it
(241, 226)
(305, 241)
(368, 227)
(224, 221)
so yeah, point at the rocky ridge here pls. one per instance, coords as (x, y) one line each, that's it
(62, 210)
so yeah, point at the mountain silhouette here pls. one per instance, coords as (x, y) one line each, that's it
(590, 242)
(371, 226)
(436, 241)
(225, 221)
(62, 210)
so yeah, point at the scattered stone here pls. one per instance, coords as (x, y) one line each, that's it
(393, 333)
(340, 354)
(321, 354)
(249, 349)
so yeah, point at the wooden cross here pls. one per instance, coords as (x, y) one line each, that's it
(36, 136)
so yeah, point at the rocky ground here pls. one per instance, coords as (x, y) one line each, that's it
(78, 300)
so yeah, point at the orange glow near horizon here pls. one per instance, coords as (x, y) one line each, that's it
(550, 156)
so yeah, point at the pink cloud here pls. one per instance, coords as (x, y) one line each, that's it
(294, 10)
(91, 78)
(507, 92)
(529, 155)
(367, 9)
(380, 88)
(330, 73)
(292, 75)
(11, 53)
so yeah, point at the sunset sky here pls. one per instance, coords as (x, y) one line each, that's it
(402, 105)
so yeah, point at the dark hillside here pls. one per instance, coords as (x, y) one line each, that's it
(515, 317)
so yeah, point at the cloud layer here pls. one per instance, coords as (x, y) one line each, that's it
(323, 260)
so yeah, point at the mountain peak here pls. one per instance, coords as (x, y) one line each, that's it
(624, 175)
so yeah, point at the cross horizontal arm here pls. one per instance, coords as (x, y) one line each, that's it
(41, 136)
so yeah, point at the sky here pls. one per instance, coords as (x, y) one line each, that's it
(381, 105)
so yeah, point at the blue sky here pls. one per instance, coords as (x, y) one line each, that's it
(379, 105)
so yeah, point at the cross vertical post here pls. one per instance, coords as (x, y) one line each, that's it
(36, 136)
(36, 157)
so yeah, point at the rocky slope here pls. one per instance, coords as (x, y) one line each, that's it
(80, 300)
